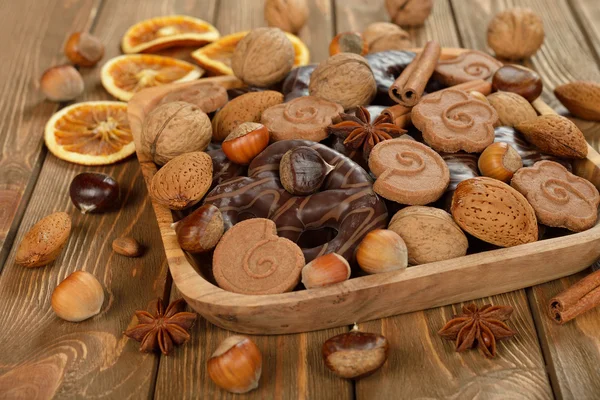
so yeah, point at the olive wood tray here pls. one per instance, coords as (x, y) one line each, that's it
(373, 296)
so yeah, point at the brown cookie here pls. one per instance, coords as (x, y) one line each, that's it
(408, 172)
(468, 66)
(559, 198)
(207, 96)
(494, 212)
(251, 259)
(453, 120)
(430, 234)
(556, 135)
(305, 117)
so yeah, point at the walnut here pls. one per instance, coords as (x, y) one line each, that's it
(344, 78)
(515, 33)
(409, 12)
(263, 57)
(287, 15)
(173, 129)
(382, 36)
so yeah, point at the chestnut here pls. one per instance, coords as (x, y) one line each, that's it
(201, 230)
(302, 171)
(355, 354)
(94, 192)
(236, 365)
(517, 79)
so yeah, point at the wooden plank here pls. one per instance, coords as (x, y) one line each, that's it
(571, 351)
(415, 346)
(588, 14)
(42, 355)
(41, 32)
(292, 364)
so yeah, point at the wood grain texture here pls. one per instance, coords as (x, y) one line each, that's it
(421, 364)
(292, 364)
(565, 56)
(588, 14)
(41, 354)
(23, 110)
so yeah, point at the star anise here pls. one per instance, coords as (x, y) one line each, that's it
(479, 327)
(358, 130)
(160, 329)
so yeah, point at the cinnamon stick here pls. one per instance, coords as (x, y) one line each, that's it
(399, 114)
(574, 301)
(409, 86)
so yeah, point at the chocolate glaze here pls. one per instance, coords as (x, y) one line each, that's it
(346, 202)
(296, 82)
(223, 168)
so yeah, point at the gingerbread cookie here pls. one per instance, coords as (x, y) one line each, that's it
(453, 120)
(408, 172)
(305, 117)
(559, 198)
(466, 67)
(251, 259)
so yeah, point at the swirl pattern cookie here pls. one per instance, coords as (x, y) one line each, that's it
(559, 198)
(408, 172)
(468, 66)
(452, 120)
(305, 117)
(251, 259)
(344, 210)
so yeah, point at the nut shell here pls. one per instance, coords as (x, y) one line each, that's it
(515, 33)
(302, 171)
(127, 246)
(94, 192)
(246, 142)
(512, 108)
(61, 83)
(581, 98)
(208, 97)
(287, 15)
(494, 212)
(499, 161)
(43, 243)
(84, 49)
(236, 365)
(263, 57)
(78, 297)
(325, 270)
(409, 12)
(200, 231)
(382, 250)
(345, 79)
(348, 42)
(555, 135)
(518, 79)
(183, 181)
(173, 129)
(383, 36)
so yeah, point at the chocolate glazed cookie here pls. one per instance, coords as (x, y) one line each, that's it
(345, 203)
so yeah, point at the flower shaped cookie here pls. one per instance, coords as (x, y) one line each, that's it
(558, 197)
(452, 120)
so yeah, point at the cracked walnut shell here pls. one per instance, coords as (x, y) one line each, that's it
(515, 33)
(263, 57)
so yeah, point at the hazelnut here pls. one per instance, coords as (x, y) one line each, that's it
(236, 365)
(127, 246)
(78, 297)
(246, 142)
(263, 57)
(409, 12)
(61, 83)
(517, 79)
(355, 354)
(84, 49)
(348, 42)
(499, 161)
(382, 250)
(94, 192)
(173, 129)
(183, 181)
(515, 33)
(345, 79)
(325, 270)
(200, 231)
(287, 15)
(302, 171)
(383, 36)
(43, 243)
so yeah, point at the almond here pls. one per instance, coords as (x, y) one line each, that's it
(582, 99)
(494, 212)
(183, 181)
(245, 108)
(555, 135)
(43, 243)
(512, 108)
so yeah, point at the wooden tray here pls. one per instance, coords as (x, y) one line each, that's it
(374, 296)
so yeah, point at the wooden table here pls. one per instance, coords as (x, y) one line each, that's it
(42, 356)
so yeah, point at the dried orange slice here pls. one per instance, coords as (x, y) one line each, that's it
(216, 57)
(90, 133)
(169, 31)
(123, 76)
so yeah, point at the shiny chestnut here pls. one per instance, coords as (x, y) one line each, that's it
(519, 80)
(302, 171)
(355, 354)
(94, 192)
(246, 142)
